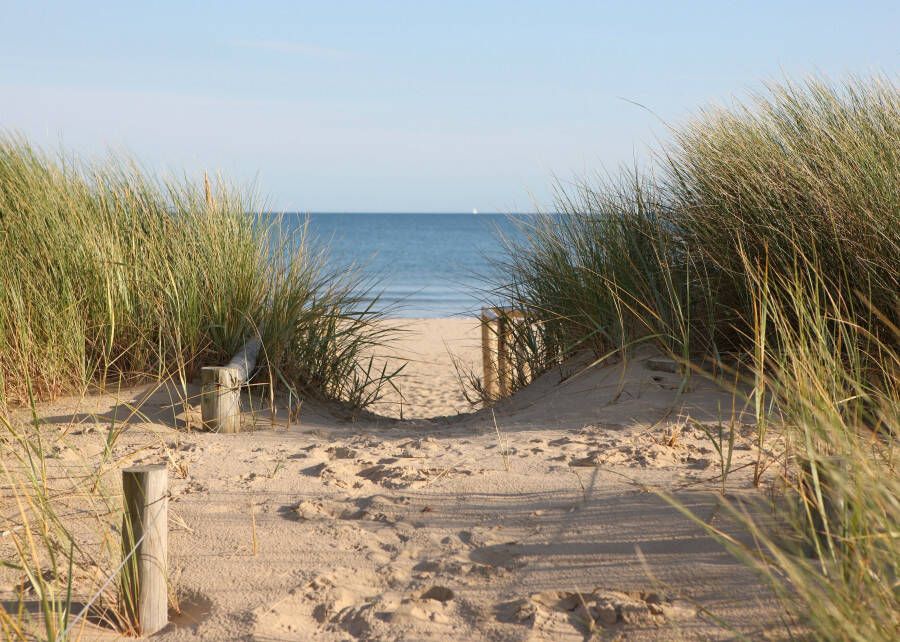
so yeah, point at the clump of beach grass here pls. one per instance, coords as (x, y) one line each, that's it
(832, 555)
(662, 256)
(763, 241)
(812, 168)
(115, 276)
(600, 275)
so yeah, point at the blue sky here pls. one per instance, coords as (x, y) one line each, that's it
(406, 106)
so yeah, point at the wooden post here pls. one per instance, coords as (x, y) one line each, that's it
(504, 365)
(145, 531)
(497, 351)
(245, 359)
(220, 399)
(220, 393)
(488, 360)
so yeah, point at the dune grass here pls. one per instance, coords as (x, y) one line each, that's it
(115, 276)
(765, 241)
(836, 385)
(811, 167)
(61, 534)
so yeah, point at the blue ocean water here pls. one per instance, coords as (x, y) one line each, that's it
(428, 265)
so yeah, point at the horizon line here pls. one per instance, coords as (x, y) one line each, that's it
(289, 211)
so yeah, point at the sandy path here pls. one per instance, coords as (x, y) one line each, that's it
(430, 386)
(440, 529)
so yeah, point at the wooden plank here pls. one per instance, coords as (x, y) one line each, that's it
(504, 365)
(245, 360)
(498, 358)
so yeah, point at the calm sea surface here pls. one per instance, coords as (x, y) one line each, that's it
(428, 264)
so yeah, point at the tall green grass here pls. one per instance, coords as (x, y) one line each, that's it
(766, 235)
(112, 275)
(807, 167)
(606, 271)
(810, 168)
(834, 554)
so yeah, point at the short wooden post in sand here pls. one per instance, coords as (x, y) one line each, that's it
(504, 362)
(220, 399)
(220, 395)
(489, 339)
(498, 359)
(145, 531)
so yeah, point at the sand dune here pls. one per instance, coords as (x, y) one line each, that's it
(544, 526)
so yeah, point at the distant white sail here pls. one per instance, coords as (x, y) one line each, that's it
(475, 210)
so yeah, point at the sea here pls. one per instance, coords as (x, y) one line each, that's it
(425, 265)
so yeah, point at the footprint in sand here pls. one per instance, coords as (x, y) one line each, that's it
(566, 444)
(378, 508)
(491, 550)
(325, 603)
(641, 453)
(308, 510)
(343, 468)
(456, 569)
(341, 452)
(354, 602)
(392, 472)
(567, 615)
(374, 508)
(336, 473)
(415, 448)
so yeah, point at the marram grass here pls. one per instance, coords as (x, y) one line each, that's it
(111, 275)
(812, 168)
(768, 235)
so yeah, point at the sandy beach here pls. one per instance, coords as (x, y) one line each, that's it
(430, 386)
(427, 321)
(543, 526)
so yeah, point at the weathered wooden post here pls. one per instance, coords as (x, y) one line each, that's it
(220, 399)
(508, 365)
(498, 351)
(504, 362)
(489, 338)
(145, 532)
(220, 395)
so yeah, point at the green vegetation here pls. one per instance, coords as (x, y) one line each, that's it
(764, 244)
(810, 172)
(111, 278)
(51, 556)
(115, 277)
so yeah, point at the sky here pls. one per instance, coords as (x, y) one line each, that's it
(407, 106)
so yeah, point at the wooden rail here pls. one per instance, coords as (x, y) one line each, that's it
(220, 396)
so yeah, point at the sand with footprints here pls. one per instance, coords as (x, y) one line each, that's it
(539, 519)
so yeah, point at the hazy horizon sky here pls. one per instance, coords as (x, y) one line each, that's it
(406, 106)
